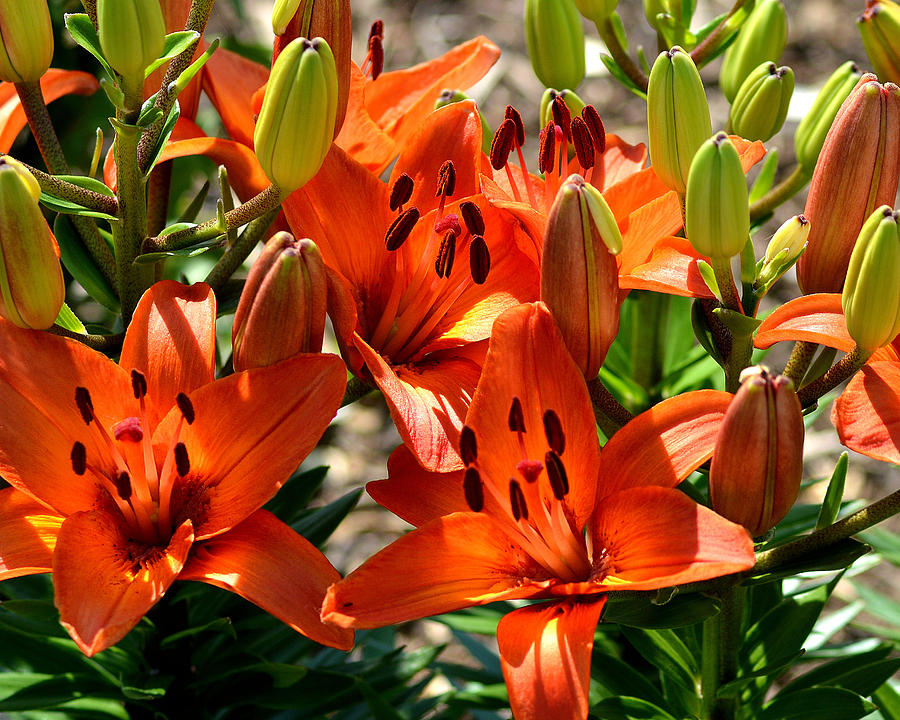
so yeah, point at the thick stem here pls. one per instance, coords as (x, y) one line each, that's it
(738, 359)
(158, 188)
(614, 415)
(779, 194)
(648, 337)
(237, 253)
(722, 269)
(730, 635)
(52, 185)
(710, 668)
(622, 58)
(840, 371)
(90, 7)
(101, 343)
(798, 362)
(705, 50)
(35, 108)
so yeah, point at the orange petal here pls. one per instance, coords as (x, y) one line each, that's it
(633, 191)
(29, 533)
(105, 582)
(533, 221)
(664, 444)
(814, 318)
(230, 81)
(658, 537)
(266, 562)
(251, 431)
(360, 136)
(545, 650)
(867, 413)
(38, 376)
(172, 341)
(54, 84)
(672, 269)
(645, 227)
(620, 160)
(453, 562)
(750, 152)
(528, 360)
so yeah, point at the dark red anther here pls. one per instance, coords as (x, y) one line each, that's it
(530, 470)
(79, 458)
(556, 473)
(401, 228)
(584, 145)
(468, 445)
(446, 182)
(123, 485)
(547, 151)
(138, 384)
(448, 223)
(186, 406)
(473, 489)
(517, 501)
(182, 462)
(556, 438)
(85, 406)
(479, 260)
(502, 144)
(516, 416)
(401, 192)
(598, 133)
(472, 217)
(376, 29)
(443, 266)
(562, 116)
(514, 115)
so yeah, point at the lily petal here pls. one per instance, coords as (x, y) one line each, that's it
(105, 582)
(172, 341)
(29, 533)
(451, 563)
(643, 228)
(664, 444)
(230, 81)
(360, 136)
(545, 650)
(671, 269)
(867, 413)
(814, 318)
(266, 562)
(620, 160)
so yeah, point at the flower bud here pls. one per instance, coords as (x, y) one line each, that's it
(32, 289)
(858, 170)
(761, 105)
(596, 10)
(761, 39)
(282, 307)
(573, 102)
(26, 40)
(871, 297)
(717, 214)
(757, 463)
(879, 26)
(132, 34)
(786, 245)
(811, 132)
(296, 122)
(677, 116)
(579, 277)
(652, 10)
(555, 41)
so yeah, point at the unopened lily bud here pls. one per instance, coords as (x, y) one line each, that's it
(32, 289)
(871, 297)
(555, 41)
(579, 277)
(717, 215)
(761, 39)
(677, 116)
(574, 103)
(858, 170)
(328, 19)
(596, 10)
(761, 105)
(132, 34)
(783, 250)
(879, 26)
(757, 463)
(810, 134)
(282, 307)
(26, 40)
(296, 122)
(652, 10)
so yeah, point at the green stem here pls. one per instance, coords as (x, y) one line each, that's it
(722, 269)
(730, 635)
(622, 58)
(53, 185)
(738, 359)
(90, 7)
(35, 108)
(798, 362)
(356, 389)
(158, 188)
(101, 343)
(840, 371)
(237, 253)
(779, 194)
(710, 668)
(706, 49)
(610, 414)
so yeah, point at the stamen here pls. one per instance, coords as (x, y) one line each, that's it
(449, 223)
(138, 384)
(186, 406)
(376, 29)
(182, 462)
(547, 151)
(513, 114)
(401, 192)
(468, 445)
(502, 144)
(472, 217)
(556, 438)
(517, 501)
(443, 266)
(556, 473)
(584, 145)
(123, 485)
(85, 406)
(446, 183)
(401, 228)
(473, 489)
(79, 458)
(128, 430)
(516, 416)
(562, 116)
(598, 133)
(479, 260)
(376, 53)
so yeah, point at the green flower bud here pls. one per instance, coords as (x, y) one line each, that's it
(555, 41)
(879, 26)
(717, 215)
(296, 122)
(596, 10)
(810, 134)
(282, 307)
(132, 34)
(26, 40)
(783, 250)
(579, 277)
(652, 10)
(871, 297)
(32, 289)
(761, 39)
(573, 102)
(677, 116)
(762, 102)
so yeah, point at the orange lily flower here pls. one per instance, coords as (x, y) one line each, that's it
(541, 512)
(127, 477)
(413, 313)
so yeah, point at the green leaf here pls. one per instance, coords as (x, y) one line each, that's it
(191, 251)
(220, 625)
(629, 708)
(81, 265)
(293, 497)
(881, 606)
(176, 43)
(165, 134)
(642, 612)
(665, 650)
(69, 320)
(831, 505)
(862, 673)
(480, 620)
(766, 176)
(888, 701)
(834, 557)
(885, 542)
(703, 332)
(84, 33)
(621, 679)
(185, 78)
(70, 207)
(35, 691)
(317, 525)
(620, 75)
(819, 703)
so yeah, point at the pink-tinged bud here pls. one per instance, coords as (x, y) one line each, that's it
(32, 289)
(26, 40)
(858, 170)
(579, 277)
(879, 27)
(757, 464)
(282, 307)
